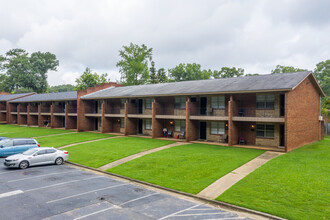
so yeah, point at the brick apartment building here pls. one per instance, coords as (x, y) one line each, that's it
(280, 112)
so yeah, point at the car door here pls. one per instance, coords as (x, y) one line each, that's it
(7, 148)
(38, 158)
(19, 146)
(50, 156)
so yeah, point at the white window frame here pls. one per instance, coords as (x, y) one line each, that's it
(148, 124)
(218, 102)
(265, 129)
(180, 125)
(180, 102)
(148, 103)
(217, 127)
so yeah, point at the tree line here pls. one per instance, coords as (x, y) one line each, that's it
(24, 72)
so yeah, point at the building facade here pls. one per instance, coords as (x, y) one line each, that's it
(280, 111)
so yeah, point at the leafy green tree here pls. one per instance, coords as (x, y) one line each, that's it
(133, 64)
(322, 74)
(28, 72)
(61, 88)
(227, 72)
(252, 74)
(161, 76)
(190, 71)
(153, 74)
(89, 79)
(286, 69)
(157, 76)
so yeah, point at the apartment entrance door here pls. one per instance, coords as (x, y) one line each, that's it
(96, 124)
(140, 126)
(203, 106)
(63, 122)
(140, 106)
(282, 137)
(202, 130)
(282, 105)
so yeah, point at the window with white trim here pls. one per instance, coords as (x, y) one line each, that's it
(265, 130)
(122, 103)
(180, 125)
(265, 101)
(148, 103)
(217, 102)
(180, 102)
(122, 123)
(148, 124)
(217, 127)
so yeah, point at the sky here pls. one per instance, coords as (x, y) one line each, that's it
(252, 34)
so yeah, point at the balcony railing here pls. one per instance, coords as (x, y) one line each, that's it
(59, 110)
(114, 110)
(165, 111)
(22, 109)
(33, 110)
(254, 112)
(72, 109)
(45, 110)
(198, 111)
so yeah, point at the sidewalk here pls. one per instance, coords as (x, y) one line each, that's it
(221, 185)
(132, 157)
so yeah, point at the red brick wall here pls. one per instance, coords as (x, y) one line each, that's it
(84, 123)
(71, 122)
(301, 115)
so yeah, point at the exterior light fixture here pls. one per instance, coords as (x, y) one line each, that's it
(171, 123)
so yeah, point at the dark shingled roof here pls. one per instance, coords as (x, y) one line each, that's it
(280, 82)
(4, 98)
(59, 96)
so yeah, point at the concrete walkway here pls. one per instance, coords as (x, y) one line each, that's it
(69, 145)
(134, 156)
(221, 185)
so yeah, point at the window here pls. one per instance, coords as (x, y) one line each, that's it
(122, 103)
(122, 123)
(180, 102)
(148, 103)
(99, 105)
(180, 125)
(20, 142)
(41, 152)
(148, 124)
(217, 127)
(265, 130)
(50, 151)
(265, 101)
(100, 122)
(217, 102)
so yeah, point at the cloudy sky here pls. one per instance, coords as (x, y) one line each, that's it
(252, 34)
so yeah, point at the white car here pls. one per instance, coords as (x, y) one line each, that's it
(37, 156)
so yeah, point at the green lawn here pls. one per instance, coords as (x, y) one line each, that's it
(25, 132)
(294, 186)
(189, 168)
(65, 139)
(102, 152)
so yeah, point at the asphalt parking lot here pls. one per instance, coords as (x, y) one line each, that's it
(64, 192)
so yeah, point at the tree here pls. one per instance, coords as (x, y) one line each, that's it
(133, 64)
(252, 74)
(157, 76)
(227, 72)
(322, 74)
(89, 79)
(161, 76)
(184, 72)
(153, 75)
(61, 88)
(27, 73)
(286, 69)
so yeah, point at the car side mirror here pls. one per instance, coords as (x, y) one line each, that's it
(2, 146)
(35, 154)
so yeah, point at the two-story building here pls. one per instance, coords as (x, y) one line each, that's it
(279, 111)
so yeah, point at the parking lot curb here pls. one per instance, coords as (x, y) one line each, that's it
(210, 201)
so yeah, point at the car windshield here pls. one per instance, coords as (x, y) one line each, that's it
(6, 142)
(30, 151)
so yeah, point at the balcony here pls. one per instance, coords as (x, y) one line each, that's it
(114, 112)
(258, 115)
(163, 112)
(72, 110)
(136, 112)
(208, 114)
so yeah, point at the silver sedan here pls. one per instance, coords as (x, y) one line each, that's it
(37, 156)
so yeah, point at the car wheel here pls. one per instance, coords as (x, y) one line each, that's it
(24, 164)
(59, 161)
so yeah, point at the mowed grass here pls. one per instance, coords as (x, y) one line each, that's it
(189, 168)
(102, 152)
(294, 186)
(14, 131)
(71, 138)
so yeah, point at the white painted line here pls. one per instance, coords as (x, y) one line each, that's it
(138, 198)
(12, 193)
(217, 213)
(58, 184)
(238, 217)
(103, 210)
(68, 197)
(32, 177)
(179, 212)
(206, 209)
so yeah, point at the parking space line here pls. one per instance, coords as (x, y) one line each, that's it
(235, 218)
(68, 197)
(103, 210)
(11, 181)
(179, 212)
(217, 213)
(12, 193)
(58, 184)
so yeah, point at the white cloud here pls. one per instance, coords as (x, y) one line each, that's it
(253, 34)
